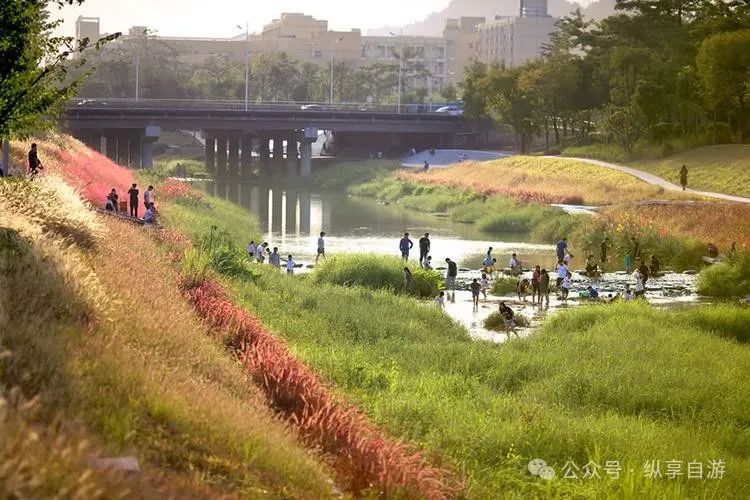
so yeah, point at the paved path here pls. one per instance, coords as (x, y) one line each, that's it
(654, 179)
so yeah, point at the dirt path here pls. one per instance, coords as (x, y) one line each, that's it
(655, 180)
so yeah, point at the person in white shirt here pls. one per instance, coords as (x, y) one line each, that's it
(562, 272)
(321, 247)
(275, 259)
(640, 288)
(566, 287)
(251, 249)
(290, 265)
(260, 253)
(515, 265)
(440, 300)
(485, 285)
(148, 197)
(567, 258)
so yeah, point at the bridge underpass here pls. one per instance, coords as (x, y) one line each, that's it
(126, 131)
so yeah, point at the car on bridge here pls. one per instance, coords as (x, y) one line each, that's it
(451, 110)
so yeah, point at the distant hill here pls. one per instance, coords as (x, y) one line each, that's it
(434, 23)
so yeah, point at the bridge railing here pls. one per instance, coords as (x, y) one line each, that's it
(239, 105)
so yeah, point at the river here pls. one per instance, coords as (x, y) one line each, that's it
(292, 217)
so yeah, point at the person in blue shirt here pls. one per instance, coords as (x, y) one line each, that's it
(562, 246)
(405, 245)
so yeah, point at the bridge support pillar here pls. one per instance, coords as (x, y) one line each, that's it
(135, 152)
(221, 154)
(292, 155)
(110, 147)
(304, 212)
(305, 164)
(210, 153)
(278, 148)
(150, 136)
(265, 155)
(234, 155)
(123, 150)
(246, 154)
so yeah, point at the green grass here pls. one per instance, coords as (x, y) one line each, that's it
(190, 167)
(349, 173)
(722, 169)
(727, 279)
(725, 320)
(504, 286)
(621, 382)
(377, 272)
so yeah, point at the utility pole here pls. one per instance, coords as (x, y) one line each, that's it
(400, 65)
(332, 50)
(247, 62)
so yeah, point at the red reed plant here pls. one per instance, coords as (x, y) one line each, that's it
(365, 457)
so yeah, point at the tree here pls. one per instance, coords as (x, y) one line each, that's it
(625, 125)
(724, 69)
(34, 65)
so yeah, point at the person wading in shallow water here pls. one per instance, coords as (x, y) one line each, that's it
(424, 248)
(405, 245)
(450, 279)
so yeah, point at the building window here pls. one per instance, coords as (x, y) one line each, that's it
(419, 52)
(440, 52)
(317, 54)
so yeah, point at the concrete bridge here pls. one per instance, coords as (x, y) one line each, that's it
(126, 129)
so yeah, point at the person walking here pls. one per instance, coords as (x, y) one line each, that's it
(424, 248)
(35, 165)
(133, 192)
(405, 245)
(683, 177)
(321, 247)
(485, 282)
(148, 197)
(536, 277)
(450, 279)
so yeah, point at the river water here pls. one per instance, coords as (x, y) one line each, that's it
(292, 217)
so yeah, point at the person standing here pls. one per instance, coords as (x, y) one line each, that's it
(628, 263)
(643, 269)
(148, 196)
(543, 286)
(408, 279)
(566, 287)
(290, 265)
(683, 177)
(562, 247)
(275, 259)
(405, 245)
(515, 265)
(603, 250)
(475, 287)
(640, 289)
(440, 300)
(424, 248)
(321, 247)
(260, 252)
(536, 277)
(133, 192)
(562, 272)
(485, 282)
(251, 250)
(450, 279)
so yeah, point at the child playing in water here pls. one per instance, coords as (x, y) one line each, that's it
(475, 288)
(290, 265)
(485, 282)
(566, 287)
(440, 300)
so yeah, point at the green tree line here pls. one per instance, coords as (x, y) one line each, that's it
(657, 71)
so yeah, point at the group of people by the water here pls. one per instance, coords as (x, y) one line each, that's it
(262, 252)
(112, 203)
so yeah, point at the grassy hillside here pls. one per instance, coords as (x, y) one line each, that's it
(94, 331)
(722, 169)
(546, 180)
(623, 383)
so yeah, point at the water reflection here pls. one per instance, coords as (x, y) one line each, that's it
(292, 216)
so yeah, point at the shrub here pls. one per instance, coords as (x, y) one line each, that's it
(727, 279)
(724, 320)
(376, 272)
(504, 286)
(496, 323)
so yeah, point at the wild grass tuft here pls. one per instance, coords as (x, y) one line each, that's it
(727, 279)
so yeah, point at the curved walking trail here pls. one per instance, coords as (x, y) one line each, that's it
(654, 179)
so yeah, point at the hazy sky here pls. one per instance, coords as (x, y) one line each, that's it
(218, 18)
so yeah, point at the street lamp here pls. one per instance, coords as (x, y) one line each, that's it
(332, 44)
(145, 34)
(400, 64)
(247, 61)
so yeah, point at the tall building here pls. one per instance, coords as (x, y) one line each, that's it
(460, 37)
(513, 41)
(87, 27)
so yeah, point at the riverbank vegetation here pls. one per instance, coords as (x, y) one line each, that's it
(377, 272)
(543, 180)
(94, 331)
(406, 365)
(730, 278)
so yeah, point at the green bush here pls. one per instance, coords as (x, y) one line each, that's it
(376, 272)
(727, 279)
(496, 323)
(724, 320)
(504, 286)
